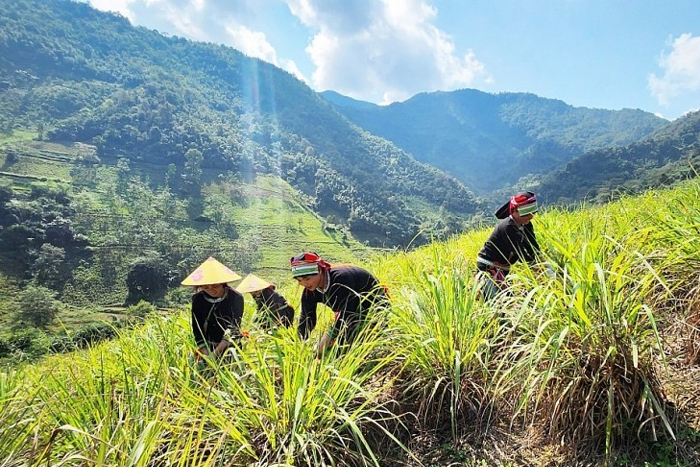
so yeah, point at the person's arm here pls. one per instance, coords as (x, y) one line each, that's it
(325, 343)
(307, 319)
(531, 249)
(232, 319)
(198, 328)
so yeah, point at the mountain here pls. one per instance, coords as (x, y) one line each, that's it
(489, 141)
(669, 155)
(79, 75)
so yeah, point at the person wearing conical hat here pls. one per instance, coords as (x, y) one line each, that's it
(217, 309)
(512, 240)
(349, 291)
(272, 308)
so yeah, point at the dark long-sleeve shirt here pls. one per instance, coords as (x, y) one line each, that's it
(510, 243)
(214, 322)
(350, 292)
(273, 309)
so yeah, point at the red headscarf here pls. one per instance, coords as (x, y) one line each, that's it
(521, 199)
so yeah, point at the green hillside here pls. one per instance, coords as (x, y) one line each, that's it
(596, 366)
(492, 141)
(98, 234)
(79, 75)
(669, 155)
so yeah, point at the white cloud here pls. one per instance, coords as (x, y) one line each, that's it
(252, 43)
(118, 6)
(255, 44)
(217, 21)
(375, 50)
(383, 50)
(681, 70)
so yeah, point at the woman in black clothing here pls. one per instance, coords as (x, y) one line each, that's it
(349, 291)
(512, 240)
(272, 308)
(217, 309)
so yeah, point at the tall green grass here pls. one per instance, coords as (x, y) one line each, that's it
(575, 358)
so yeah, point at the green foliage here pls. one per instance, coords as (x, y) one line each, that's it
(141, 310)
(491, 141)
(670, 155)
(36, 305)
(143, 98)
(572, 363)
(148, 279)
(28, 343)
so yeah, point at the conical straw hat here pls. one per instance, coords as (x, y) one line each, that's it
(211, 272)
(252, 283)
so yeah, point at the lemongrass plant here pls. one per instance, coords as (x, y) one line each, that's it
(674, 230)
(138, 401)
(590, 342)
(449, 337)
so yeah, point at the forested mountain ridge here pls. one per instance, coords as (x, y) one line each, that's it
(81, 75)
(669, 155)
(489, 141)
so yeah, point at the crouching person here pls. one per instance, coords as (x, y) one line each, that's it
(273, 310)
(349, 291)
(217, 311)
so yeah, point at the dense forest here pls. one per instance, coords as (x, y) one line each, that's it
(668, 156)
(493, 141)
(80, 75)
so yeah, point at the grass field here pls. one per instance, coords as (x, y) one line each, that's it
(595, 366)
(592, 367)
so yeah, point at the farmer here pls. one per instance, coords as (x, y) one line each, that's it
(349, 291)
(273, 309)
(512, 240)
(217, 309)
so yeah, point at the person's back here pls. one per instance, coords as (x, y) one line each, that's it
(273, 309)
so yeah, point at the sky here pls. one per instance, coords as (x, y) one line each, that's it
(607, 54)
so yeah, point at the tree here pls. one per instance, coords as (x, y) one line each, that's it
(123, 170)
(36, 305)
(48, 265)
(148, 279)
(192, 176)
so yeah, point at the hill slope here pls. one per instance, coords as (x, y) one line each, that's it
(491, 140)
(596, 366)
(669, 155)
(77, 74)
(75, 226)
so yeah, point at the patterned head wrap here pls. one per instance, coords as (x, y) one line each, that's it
(308, 263)
(524, 202)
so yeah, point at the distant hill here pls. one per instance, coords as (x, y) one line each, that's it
(669, 155)
(489, 141)
(339, 100)
(79, 75)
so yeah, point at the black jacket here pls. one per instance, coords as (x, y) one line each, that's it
(350, 293)
(510, 243)
(214, 322)
(273, 309)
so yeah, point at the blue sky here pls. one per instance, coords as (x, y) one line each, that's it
(610, 54)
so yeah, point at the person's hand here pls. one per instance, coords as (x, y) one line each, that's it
(325, 343)
(549, 270)
(200, 353)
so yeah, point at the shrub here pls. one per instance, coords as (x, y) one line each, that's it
(37, 306)
(141, 309)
